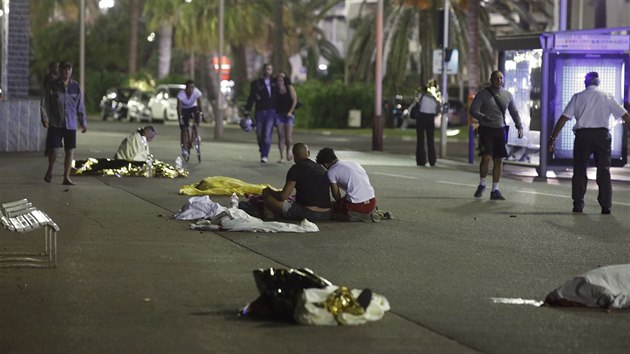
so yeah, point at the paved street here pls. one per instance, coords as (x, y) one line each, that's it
(131, 279)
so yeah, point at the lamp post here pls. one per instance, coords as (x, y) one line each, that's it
(218, 123)
(444, 120)
(377, 129)
(82, 47)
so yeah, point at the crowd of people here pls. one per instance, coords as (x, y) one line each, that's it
(274, 101)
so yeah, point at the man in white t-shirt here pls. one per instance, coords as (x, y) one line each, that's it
(189, 107)
(359, 202)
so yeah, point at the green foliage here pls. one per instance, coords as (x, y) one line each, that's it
(326, 105)
(59, 41)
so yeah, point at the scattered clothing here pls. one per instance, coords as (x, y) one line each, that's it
(214, 217)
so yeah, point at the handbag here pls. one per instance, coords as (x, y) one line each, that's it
(415, 110)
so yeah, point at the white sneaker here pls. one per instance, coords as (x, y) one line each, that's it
(263, 159)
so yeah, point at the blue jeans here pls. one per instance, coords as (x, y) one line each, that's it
(264, 129)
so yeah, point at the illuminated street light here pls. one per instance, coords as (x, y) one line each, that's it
(151, 37)
(323, 67)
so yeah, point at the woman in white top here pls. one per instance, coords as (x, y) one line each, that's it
(189, 106)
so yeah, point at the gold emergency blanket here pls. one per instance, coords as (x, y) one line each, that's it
(123, 168)
(220, 185)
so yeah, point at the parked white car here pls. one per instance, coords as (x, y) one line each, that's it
(163, 103)
(138, 106)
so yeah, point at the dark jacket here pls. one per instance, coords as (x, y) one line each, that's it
(258, 94)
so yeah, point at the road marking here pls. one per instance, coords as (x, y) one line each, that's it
(394, 175)
(516, 301)
(457, 184)
(546, 194)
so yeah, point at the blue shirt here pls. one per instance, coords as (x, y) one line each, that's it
(66, 106)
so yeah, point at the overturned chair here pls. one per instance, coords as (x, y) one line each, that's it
(21, 217)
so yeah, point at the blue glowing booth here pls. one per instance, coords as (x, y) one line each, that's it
(543, 71)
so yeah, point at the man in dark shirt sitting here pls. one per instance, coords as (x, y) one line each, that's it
(312, 196)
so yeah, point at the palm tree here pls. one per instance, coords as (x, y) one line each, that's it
(478, 44)
(163, 15)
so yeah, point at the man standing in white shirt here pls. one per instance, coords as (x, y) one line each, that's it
(591, 109)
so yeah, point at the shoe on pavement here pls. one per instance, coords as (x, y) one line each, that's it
(496, 195)
(263, 160)
(479, 191)
(605, 211)
(577, 209)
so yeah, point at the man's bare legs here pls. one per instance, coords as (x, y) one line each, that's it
(484, 165)
(52, 157)
(67, 166)
(496, 169)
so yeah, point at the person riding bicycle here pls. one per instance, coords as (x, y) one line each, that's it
(189, 107)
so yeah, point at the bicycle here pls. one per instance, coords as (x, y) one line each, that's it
(190, 136)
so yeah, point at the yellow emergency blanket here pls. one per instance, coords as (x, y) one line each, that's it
(220, 185)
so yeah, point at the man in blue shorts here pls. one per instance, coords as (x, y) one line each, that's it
(312, 196)
(63, 103)
(488, 107)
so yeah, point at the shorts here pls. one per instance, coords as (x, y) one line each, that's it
(60, 137)
(285, 119)
(344, 205)
(294, 211)
(187, 115)
(356, 211)
(492, 142)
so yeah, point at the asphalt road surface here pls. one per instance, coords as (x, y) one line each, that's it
(454, 269)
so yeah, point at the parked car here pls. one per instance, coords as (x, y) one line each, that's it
(114, 102)
(138, 106)
(163, 103)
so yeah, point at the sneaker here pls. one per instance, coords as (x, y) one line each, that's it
(263, 159)
(496, 195)
(605, 211)
(479, 191)
(388, 215)
(376, 216)
(185, 154)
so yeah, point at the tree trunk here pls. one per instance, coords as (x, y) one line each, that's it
(133, 35)
(164, 49)
(238, 72)
(278, 57)
(472, 9)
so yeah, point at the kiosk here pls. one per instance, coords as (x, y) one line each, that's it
(543, 71)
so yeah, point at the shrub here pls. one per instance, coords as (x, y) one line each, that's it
(326, 105)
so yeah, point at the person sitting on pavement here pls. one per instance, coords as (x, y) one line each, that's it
(135, 147)
(312, 197)
(359, 202)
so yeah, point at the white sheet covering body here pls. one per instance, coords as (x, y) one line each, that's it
(233, 219)
(607, 287)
